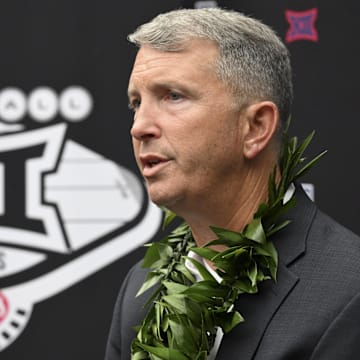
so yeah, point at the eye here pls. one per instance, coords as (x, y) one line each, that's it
(134, 104)
(174, 96)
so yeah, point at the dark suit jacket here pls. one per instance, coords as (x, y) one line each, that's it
(311, 312)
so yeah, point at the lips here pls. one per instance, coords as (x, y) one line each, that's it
(151, 164)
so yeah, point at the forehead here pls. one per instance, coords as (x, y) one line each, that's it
(196, 60)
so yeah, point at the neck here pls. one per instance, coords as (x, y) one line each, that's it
(233, 208)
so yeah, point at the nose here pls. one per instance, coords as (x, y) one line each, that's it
(145, 126)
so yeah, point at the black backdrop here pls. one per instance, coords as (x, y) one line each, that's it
(57, 44)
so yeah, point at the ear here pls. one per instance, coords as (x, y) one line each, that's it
(262, 119)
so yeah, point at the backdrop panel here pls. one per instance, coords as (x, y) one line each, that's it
(74, 213)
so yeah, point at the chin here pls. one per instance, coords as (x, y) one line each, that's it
(165, 199)
(158, 197)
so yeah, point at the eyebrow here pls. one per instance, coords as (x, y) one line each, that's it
(132, 92)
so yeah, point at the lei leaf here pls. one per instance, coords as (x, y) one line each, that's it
(184, 314)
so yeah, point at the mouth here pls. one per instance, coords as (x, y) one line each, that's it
(152, 163)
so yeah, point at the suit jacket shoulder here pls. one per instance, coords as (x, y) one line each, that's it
(128, 312)
(316, 298)
(317, 285)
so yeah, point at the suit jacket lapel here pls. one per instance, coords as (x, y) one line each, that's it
(258, 310)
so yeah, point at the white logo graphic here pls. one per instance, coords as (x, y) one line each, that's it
(75, 103)
(43, 104)
(60, 199)
(12, 104)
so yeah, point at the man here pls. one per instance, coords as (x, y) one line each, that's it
(210, 90)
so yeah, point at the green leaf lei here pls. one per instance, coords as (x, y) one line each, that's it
(184, 314)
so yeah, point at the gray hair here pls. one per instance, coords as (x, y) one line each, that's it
(253, 61)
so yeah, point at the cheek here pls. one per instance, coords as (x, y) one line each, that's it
(136, 149)
(218, 147)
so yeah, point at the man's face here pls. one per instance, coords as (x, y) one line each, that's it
(186, 133)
